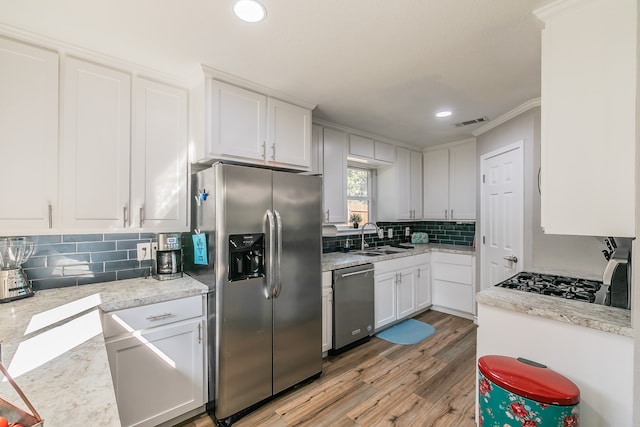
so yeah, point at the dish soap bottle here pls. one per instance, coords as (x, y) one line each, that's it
(345, 248)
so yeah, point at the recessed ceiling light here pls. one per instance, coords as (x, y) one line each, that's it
(442, 114)
(249, 10)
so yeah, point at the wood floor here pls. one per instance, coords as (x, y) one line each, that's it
(382, 384)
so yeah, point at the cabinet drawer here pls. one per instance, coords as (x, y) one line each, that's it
(393, 265)
(421, 259)
(457, 259)
(150, 316)
(453, 273)
(453, 295)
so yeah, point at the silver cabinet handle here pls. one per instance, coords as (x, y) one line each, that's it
(451, 213)
(199, 333)
(264, 150)
(271, 267)
(159, 317)
(446, 214)
(418, 273)
(124, 216)
(50, 216)
(278, 254)
(273, 151)
(511, 258)
(327, 215)
(141, 216)
(357, 272)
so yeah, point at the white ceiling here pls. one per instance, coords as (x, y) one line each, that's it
(381, 66)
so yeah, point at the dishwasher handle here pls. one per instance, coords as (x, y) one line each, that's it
(357, 272)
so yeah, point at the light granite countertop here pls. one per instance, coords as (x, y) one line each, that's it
(336, 260)
(595, 316)
(53, 346)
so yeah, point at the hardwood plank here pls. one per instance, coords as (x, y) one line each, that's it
(378, 383)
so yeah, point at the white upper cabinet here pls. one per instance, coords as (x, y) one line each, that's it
(238, 122)
(95, 157)
(159, 170)
(334, 199)
(251, 127)
(450, 183)
(400, 187)
(370, 151)
(289, 129)
(28, 137)
(588, 117)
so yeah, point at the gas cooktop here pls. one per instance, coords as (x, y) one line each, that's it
(559, 286)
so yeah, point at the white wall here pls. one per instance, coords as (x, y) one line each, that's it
(577, 254)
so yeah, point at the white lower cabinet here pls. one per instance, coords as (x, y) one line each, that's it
(156, 355)
(327, 312)
(453, 283)
(402, 287)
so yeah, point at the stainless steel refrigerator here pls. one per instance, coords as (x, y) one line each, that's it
(257, 243)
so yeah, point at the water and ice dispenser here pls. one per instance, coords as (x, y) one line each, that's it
(246, 256)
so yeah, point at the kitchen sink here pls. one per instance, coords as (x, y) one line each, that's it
(381, 252)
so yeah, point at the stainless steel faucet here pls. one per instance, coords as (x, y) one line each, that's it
(363, 243)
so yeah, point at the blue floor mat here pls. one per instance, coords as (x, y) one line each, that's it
(410, 331)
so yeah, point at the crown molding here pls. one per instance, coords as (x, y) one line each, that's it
(533, 103)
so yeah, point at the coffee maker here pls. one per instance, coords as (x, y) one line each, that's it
(14, 251)
(168, 260)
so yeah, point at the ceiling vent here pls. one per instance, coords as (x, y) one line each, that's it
(471, 122)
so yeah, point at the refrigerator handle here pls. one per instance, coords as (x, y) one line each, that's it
(278, 283)
(270, 266)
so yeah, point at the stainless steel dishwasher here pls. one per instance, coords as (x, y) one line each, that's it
(353, 305)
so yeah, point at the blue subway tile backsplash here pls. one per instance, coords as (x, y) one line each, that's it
(80, 259)
(439, 232)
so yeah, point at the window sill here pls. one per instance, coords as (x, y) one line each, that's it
(349, 231)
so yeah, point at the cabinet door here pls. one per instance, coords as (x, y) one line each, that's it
(238, 122)
(406, 293)
(28, 136)
(289, 128)
(385, 298)
(423, 286)
(415, 186)
(158, 374)
(159, 164)
(317, 136)
(462, 187)
(436, 184)
(588, 123)
(95, 151)
(327, 318)
(334, 178)
(403, 183)
(361, 146)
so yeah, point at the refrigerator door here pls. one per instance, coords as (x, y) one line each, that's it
(243, 312)
(297, 323)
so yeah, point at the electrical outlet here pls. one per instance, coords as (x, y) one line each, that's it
(380, 233)
(390, 233)
(407, 231)
(144, 251)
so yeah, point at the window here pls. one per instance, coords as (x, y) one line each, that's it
(359, 192)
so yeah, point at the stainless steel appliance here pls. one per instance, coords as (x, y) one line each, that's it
(616, 279)
(168, 260)
(257, 243)
(14, 251)
(553, 285)
(353, 305)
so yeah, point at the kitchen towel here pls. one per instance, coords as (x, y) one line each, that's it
(410, 331)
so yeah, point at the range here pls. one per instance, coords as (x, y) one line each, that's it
(560, 286)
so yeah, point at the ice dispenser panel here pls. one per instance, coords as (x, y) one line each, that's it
(246, 256)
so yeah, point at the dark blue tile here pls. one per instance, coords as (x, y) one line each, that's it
(97, 247)
(120, 265)
(129, 244)
(63, 248)
(133, 253)
(54, 260)
(132, 274)
(122, 236)
(82, 269)
(43, 273)
(97, 278)
(64, 282)
(43, 239)
(146, 263)
(109, 256)
(151, 236)
(35, 262)
(83, 238)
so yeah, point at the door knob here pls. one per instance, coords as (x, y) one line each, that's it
(511, 258)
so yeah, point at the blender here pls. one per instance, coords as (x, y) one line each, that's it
(14, 251)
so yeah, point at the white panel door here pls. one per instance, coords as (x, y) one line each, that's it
(406, 293)
(502, 214)
(95, 148)
(289, 128)
(436, 184)
(28, 137)
(334, 177)
(385, 299)
(159, 170)
(416, 184)
(462, 186)
(238, 122)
